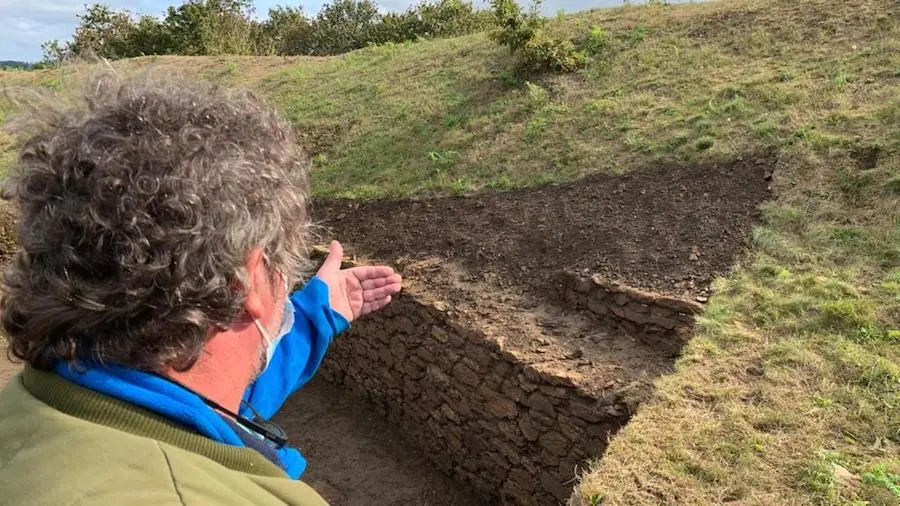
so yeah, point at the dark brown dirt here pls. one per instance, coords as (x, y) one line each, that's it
(669, 229)
(357, 458)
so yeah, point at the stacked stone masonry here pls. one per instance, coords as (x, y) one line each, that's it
(661, 321)
(513, 433)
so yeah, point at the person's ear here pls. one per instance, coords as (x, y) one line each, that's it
(258, 284)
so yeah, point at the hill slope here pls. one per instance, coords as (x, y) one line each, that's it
(790, 392)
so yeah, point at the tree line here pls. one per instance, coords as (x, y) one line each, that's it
(218, 27)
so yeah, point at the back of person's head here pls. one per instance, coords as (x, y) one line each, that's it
(137, 204)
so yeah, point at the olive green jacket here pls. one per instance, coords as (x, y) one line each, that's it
(64, 444)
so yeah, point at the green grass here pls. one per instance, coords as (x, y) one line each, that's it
(790, 393)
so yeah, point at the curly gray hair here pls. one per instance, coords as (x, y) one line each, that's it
(137, 208)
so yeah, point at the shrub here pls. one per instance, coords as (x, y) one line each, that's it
(445, 18)
(524, 34)
(344, 25)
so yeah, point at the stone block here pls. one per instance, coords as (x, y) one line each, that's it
(509, 449)
(582, 285)
(480, 355)
(542, 420)
(398, 350)
(512, 390)
(548, 460)
(453, 340)
(540, 402)
(493, 381)
(526, 384)
(555, 443)
(464, 408)
(385, 357)
(598, 305)
(466, 375)
(555, 486)
(529, 429)
(571, 427)
(520, 479)
(589, 412)
(554, 392)
(500, 367)
(621, 299)
(471, 364)
(501, 407)
(663, 317)
(638, 313)
(450, 414)
(439, 335)
(436, 376)
(499, 460)
(425, 355)
(568, 469)
(404, 325)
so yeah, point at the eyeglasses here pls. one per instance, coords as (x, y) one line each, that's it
(271, 431)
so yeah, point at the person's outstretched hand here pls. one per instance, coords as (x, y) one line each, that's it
(359, 290)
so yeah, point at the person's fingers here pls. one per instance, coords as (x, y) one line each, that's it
(365, 272)
(333, 260)
(373, 306)
(381, 292)
(369, 284)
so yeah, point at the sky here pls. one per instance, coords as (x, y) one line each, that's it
(29, 23)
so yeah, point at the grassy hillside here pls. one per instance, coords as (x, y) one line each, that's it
(791, 392)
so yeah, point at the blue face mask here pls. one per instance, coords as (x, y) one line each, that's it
(287, 323)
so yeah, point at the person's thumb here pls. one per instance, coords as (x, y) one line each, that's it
(333, 260)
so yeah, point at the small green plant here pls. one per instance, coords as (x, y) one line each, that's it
(704, 143)
(534, 127)
(443, 159)
(595, 500)
(597, 41)
(818, 477)
(537, 96)
(509, 78)
(880, 477)
(841, 79)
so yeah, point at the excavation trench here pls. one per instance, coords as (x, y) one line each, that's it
(532, 325)
(510, 402)
(533, 322)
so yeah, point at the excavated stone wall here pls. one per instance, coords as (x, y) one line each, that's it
(660, 321)
(510, 430)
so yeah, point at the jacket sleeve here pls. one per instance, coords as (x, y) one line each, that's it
(299, 353)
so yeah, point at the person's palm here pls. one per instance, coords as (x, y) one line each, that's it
(359, 290)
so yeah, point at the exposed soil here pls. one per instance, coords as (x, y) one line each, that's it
(357, 458)
(670, 229)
